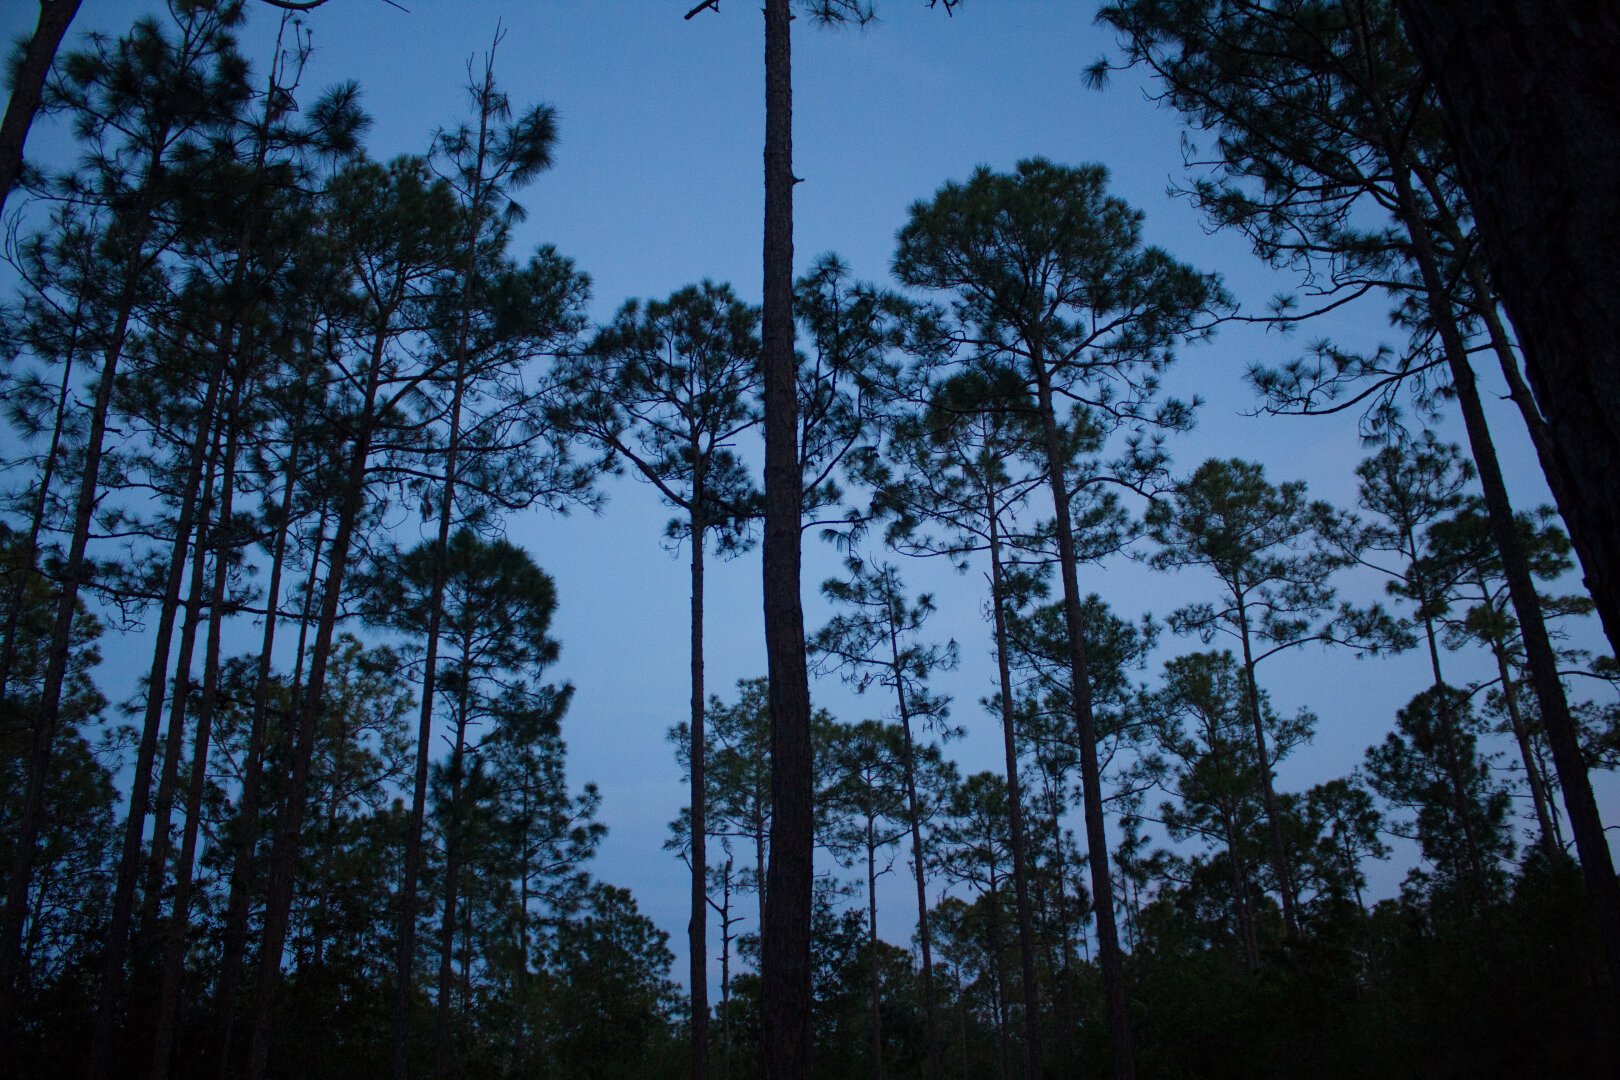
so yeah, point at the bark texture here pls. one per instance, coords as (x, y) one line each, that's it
(785, 945)
(1531, 94)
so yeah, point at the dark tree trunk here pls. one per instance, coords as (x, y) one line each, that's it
(405, 958)
(452, 883)
(247, 815)
(1550, 842)
(1262, 762)
(36, 522)
(1531, 95)
(1015, 810)
(74, 572)
(919, 862)
(785, 940)
(1540, 660)
(111, 988)
(29, 87)
(1112, 961)
(174, 947)
(157, 859)
(290, 820)
(872, 967)
(698, 925)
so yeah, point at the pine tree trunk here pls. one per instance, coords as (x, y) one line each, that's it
(28, 86)
(698, 925)
(1015, 809)
(405, 958)
(919, 862)
(1240, 873)
(157, 860)
(247, 814)
(290, 819)
(998, 984)
(109, 993)
(1262, 760)
(872, 967)
(1585, 821)
(1102, 888)
(36, 520)
(74, 572)
(174, 950)
(1531, 96)
(1550, 844)
(452, 882)
(785, 945)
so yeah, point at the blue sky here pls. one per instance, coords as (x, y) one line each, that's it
(658, 184)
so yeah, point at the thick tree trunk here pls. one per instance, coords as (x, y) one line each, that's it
(1111, 960)
(1015, 809)
(1531, 96)
(29, 87)
(785, 944)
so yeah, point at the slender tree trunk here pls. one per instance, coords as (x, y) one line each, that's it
(1102, 887)
(75, 571)
(725, 970)
(1063, 995)
(872, 967)
(998, 984)
(919, 862)
(520, 986)
(28, 87)
(109, 993)
(36, 521)
(1550, 843)
(1541, 661)
(697, 926)
(785, 941)
(157, 862)
(174, 950)
(1015, 808)
(961, 1022)
(1268, 790)
(1531, 96)
(290, 819)
(247, 813)
(405, 958)
(452, 874)
(1240, 876)
(1455, 780)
